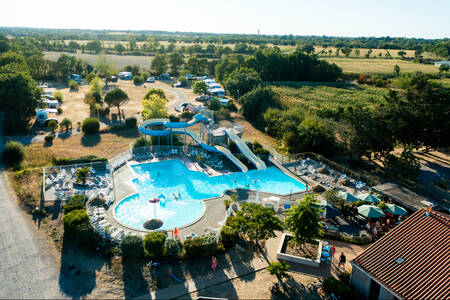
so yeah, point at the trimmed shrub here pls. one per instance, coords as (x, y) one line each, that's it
(131, 122)
(173, 118)
(79, 160)
(76, 202)
(172, 248)
(187, 115)
(138, 79)
(145, 75)
(214, 104)
(73, 85)
(228, 236)
(77, 227)
(90, 76)
(231, 106)
(200, 247)
(223, 113)
(141, 142)
(58, 96)
(52, 125)
(59, 110)
(90, 126)
(13, 153)
(154, 244)
(49, 138)
(131, 246)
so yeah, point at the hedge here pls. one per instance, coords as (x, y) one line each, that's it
(154, 244)
(76, 202)
(131, 122)
(79, 160)
(90, 126)
(77, 227)
(200, 247)
(228, 236)
(13, 153)
(132, 246)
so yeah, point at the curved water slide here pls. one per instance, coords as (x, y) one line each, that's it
(168, 128)
(259, 164)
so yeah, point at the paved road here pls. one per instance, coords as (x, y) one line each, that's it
(27, 270)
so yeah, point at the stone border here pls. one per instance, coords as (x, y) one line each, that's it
(297, 259)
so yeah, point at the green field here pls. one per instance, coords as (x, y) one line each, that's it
(444, 81)
(315, 96)
(119, 60)
(378, 65)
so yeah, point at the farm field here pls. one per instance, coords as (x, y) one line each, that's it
(314, 95)
(444, 81)
(378, 65)
(120, 60)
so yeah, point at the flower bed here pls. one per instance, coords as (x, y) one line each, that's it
(287, 253)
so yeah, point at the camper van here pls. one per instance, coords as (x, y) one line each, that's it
(42, 116)
(126, 75)
(75, 77)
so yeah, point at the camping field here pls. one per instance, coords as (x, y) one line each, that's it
(119, 60)
(379, 65)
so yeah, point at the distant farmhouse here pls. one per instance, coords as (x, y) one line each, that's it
(412, 261)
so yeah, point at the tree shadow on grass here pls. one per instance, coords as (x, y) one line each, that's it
(293, 290)
(133, 278)
(78, 269)
(90, 140)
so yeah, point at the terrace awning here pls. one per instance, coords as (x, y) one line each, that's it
(370, 211)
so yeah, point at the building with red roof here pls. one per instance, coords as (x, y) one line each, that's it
(412, 261)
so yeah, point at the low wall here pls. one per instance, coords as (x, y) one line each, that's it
(298, 259)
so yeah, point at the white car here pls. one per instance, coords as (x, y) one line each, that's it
(150, 79)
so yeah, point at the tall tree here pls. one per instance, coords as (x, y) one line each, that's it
(256, 222)
(159, 64)
(303, 220)
(242, 81)
(200, 87)
(105, 67)
(116, 98)
(154, 107)
(176, 60)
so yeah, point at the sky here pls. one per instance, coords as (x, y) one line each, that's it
(395, 18)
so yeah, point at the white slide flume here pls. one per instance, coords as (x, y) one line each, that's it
(255, 160)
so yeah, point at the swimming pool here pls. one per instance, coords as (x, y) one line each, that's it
(182, 190)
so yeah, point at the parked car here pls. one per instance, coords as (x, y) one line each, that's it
(203, 98)
(150, 79)
(178, 84)
(190, 77)
(113, 79)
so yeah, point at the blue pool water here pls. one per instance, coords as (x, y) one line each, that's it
(171, 178)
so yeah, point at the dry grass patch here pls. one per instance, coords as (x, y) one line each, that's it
(378, 65)
(27, 186)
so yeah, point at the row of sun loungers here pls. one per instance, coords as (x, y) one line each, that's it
(116, 164)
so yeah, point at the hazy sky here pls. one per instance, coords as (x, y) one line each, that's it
(410, 18)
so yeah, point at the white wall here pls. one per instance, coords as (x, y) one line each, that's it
(360, 281)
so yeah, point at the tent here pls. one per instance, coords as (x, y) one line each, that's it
(396, 210)
(369, 198)
(370, 211)
(347, 197)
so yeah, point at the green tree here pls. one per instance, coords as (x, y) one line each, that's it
(357, 52)
(176, 60)
(73, 46)
(95, 86)
(66, 123)
(154, 107)
(154, 244)
(52, 125)
(443, 68)
(116, 98)
(332, 196)
(82, 174)
(256, 102)
(119, 48)
(105, 67)
(256, 222)
(303, 220)
(396, 70)
(402, 54)
(78, 227)
(346, 50)
(405, 167)
(309, 49)
(195, 65)
(200, 87)
(158, 92)
(95, 46)
(279, 269)
(242, 81)
(13, 153)
(214, 104)
(159, 64)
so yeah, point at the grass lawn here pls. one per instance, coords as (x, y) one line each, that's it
(378, 65)
(313, 95)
